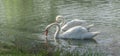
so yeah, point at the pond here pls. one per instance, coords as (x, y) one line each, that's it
(104, 14)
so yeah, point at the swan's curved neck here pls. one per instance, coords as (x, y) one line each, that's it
(63, 22)
(56, 35)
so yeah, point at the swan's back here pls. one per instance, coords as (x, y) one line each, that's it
(79, 29)
(72, 23)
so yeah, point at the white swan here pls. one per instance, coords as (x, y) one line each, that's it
(76, 32)
(70, 24)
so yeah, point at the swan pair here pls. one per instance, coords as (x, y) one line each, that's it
(70, 24)
(74, 31)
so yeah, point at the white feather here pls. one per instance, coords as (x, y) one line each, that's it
(77, 32)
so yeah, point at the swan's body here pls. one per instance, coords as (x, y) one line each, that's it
(76, 32)
(70, 24)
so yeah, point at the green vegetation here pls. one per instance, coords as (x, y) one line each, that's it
(13, 51)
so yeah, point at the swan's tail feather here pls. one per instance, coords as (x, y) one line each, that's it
(89, 26)
(96, 33)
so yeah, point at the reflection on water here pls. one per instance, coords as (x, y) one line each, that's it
(24, 19)
(76, 42)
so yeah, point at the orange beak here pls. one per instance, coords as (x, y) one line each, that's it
(46, 32)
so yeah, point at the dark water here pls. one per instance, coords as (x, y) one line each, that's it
(26, 20)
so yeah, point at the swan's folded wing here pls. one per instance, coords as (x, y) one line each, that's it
(74, 33)
(90, 35)
(73, 23)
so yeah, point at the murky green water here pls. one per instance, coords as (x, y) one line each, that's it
(26, 20)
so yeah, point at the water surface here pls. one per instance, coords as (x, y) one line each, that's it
(29, 22)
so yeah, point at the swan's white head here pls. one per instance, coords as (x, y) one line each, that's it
(59, 18)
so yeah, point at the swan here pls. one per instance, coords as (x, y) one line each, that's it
(71, 23)
(77, 32)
